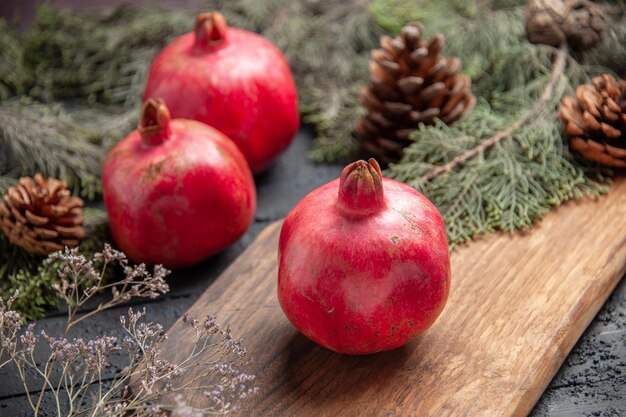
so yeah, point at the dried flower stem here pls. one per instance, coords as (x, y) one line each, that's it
(558, 68)
(82, 388)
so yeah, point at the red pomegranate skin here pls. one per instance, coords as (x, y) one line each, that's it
(233, 80)
(178, 196)
(367, 274)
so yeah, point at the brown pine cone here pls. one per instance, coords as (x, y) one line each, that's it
(553, 22)
(410, 83)
(41, 216)
(595, 120)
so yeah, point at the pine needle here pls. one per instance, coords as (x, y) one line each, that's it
(98, 57)
(34, 141)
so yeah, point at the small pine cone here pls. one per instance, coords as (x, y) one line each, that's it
(553, 22)
(41, 216)
(411, 82)
(595, 120)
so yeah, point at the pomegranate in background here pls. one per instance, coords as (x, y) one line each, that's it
(233, 80)
(176, 191)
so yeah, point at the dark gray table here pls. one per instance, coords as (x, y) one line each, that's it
(592, 381)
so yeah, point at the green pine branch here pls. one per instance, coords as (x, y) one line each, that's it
(34, 139)
(11, 68)
(499, 168)
(525, 118)
(97, 57)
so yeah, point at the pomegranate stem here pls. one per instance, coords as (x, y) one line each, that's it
(361, 189)
(154, 124)
(210, 30)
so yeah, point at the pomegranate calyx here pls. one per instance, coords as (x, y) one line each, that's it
(210, 29)
(154, 124)
(361, 189)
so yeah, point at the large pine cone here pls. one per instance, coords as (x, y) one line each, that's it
(595, 120)
(411, 82)
(580, 23)
(41, 216)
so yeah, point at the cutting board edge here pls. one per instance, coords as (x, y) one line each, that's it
(528, 401)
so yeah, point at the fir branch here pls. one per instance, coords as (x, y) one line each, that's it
(509, 186)
(98, 57)
(505, 164)
(324, 108)
(11, 68)
(39, 139)
(392, 15)
(557, 72)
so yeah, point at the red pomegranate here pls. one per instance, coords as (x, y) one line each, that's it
(362, 270)
(233, 80)
(176, 191)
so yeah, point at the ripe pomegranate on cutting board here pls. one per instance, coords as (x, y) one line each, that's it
(363, 263)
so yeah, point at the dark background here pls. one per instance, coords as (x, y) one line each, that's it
(591, 382)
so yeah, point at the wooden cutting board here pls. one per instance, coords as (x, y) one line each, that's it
(518, 304)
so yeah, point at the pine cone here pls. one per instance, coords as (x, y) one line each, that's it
(552, 22)
(410, 82)
(595, 120)
(41, 216)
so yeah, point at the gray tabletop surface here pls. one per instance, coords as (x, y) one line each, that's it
(591, 382)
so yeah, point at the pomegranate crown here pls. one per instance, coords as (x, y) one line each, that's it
(210, 30)
(154, 124)
(361, 188)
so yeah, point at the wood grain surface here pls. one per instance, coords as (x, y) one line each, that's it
(518, 304)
